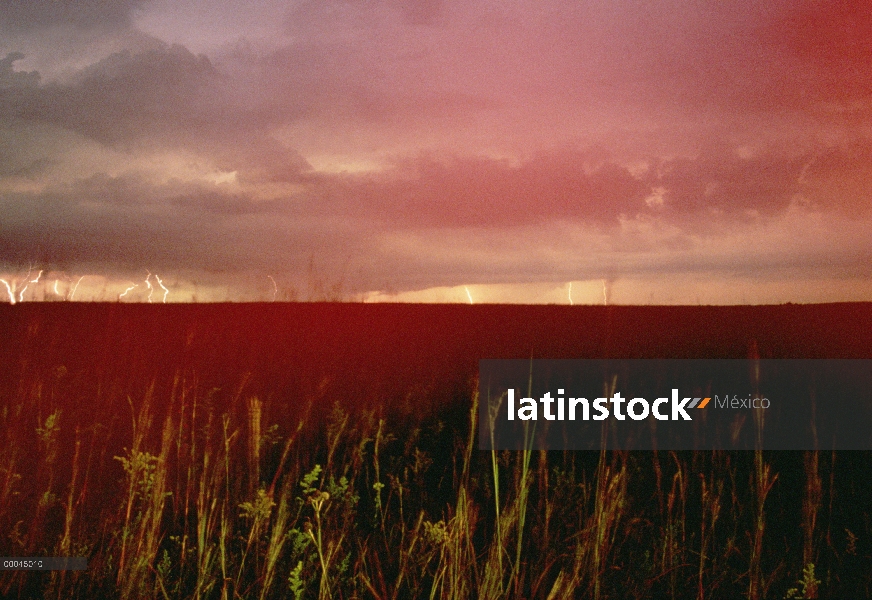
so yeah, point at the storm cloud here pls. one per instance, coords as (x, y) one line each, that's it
(425, 144)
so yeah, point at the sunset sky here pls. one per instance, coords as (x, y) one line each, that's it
(489, 151)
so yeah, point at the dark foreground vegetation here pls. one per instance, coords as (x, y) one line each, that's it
(329, 451)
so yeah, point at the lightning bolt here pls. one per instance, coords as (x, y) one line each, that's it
(24, 289)
(148, 285)
(569, 294)
(468, 295)
(9, 291)
(26, 282)
(605, 296)
(163, 287)
(124, 293)
(275, 287)
(75, 287)
(69, 286)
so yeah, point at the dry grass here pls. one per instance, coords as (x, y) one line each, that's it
(210, 499)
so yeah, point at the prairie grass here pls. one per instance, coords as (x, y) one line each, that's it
(176, 488)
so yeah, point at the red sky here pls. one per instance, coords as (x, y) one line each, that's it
(668, 152)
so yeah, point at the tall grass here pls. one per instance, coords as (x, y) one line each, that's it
(198, 493)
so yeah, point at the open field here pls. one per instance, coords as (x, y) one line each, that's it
(330, 451)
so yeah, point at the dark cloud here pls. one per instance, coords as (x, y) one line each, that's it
(583, 187)
(157, 99)
(12, 166)
(129, 97)
(717, 122)
(395, 233)
(463, 192)
(29, 15)
(196, 201)
(128, 221)
(12, 79)
(720, 181)
(356, 83)
(124, 217)
(840, 178)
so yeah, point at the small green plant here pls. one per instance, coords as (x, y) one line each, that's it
(808, 583)
(309, 479)
(163, 573)
(295, 581)
(260, 509)
(140, 469)
(258, 512)
(317, 499)
(48, 431)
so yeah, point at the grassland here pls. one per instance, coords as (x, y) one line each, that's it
(329, 451)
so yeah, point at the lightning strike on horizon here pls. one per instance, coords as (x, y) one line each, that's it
(65, 296)
(605, 296)
(10, 291)
(468, 295)
(75, 287)
(163, 287)
(275, 287)
(124, 293)
(569, 295)
(27, 283)
(26, 277)
(148, 284)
